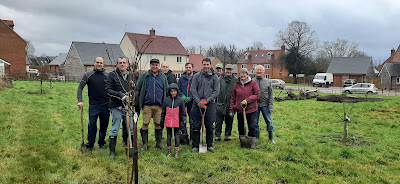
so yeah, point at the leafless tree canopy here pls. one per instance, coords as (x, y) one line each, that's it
(298, 35)
(256, 46)
(30, 49)
(340, 48)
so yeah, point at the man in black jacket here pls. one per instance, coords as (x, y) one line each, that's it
(223, 101)
(168, 73)
(117, 86)
(98, 103)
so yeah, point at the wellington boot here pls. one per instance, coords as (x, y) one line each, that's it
(176, 152)
(113, 142)
(158, 133)
(145, 137)
(169, 151)
(271, 137)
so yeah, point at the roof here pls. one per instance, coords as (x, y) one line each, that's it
(159, 44)
(393, 69)
(4, 21)
(9, 22)
(260, 57)
(196, 59)
(89, 51)
(392, 58)
(211, 58)
(51, 58)
(349, 65)
(59, 59)
(4, 61)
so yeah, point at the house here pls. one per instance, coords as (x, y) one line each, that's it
(12, 50)
(164, 48)
(358, 68)
(270, 59)
(81, 56)
(390, 76)
(54, 65)
(196, 60)
(4, 65)
(394, 58)
(214, 61)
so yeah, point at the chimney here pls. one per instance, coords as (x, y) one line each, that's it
(392, 52)
(9, 23)
(152, 32)
(283, 49)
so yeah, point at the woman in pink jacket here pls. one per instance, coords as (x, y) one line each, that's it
(245, 92)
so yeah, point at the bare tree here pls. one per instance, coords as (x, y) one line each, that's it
(256, 46)
(298, 35)
(191, 49)
(340, 48)
(30, 49)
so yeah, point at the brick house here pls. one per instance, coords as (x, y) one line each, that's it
(196, 59)
(390, 76)
(394, 58)
(164, 48)
(270, 59)
(12, 50)
(358, 68)
(81, 56)
(54, 65)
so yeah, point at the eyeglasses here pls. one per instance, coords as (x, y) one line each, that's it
(121, 62)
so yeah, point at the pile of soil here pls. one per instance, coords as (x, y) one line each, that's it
(348, 99)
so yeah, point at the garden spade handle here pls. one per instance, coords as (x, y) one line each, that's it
(244, 118)
(83, 136)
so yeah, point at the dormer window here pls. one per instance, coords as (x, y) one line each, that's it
(255, 55)
(270, 55)
(262, 55)
(246, 56)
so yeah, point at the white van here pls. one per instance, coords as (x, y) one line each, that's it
(323, 79)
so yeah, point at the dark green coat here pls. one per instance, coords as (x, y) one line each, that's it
(225, 92)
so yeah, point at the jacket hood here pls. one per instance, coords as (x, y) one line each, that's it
(173, 86)
(247, 81)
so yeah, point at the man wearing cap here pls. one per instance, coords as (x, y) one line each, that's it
(150, 93)
(218, 68)
(223, 101)
(168, 73)
(205, 89)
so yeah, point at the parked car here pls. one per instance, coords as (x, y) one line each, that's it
(364, 88)
(278, 83)
(349, 82)
(323, 80)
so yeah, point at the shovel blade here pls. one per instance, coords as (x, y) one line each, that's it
(246, 142)
(202, 148)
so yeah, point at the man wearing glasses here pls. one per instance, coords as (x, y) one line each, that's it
(117, 86)
(98, 103)
(150, 91)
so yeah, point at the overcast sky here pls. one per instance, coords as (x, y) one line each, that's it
(52, 25)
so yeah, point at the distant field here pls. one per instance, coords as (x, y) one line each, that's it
(40, 141)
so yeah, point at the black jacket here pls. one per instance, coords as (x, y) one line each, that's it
(171, 77)
(224, 96)
(116, 87)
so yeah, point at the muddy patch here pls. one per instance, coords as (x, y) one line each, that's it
(348, 99)
(350, 141)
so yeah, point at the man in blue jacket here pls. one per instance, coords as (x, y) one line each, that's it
(185, 92)
(98, 103)
(205, 89)
(150, 93)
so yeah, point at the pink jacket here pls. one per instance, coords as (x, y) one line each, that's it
(248, 91)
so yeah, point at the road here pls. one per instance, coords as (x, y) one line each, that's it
(338, 90)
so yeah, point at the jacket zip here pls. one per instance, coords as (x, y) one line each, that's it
(154, 81)
(187, 93)
(172, 111)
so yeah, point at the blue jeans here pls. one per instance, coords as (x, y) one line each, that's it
(119, 115)
(267, 118)
(251, 124)
(97, 111)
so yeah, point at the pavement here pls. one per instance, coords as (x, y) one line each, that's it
(338, 90)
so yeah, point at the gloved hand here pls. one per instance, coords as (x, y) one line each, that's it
(183, 97)
(244, 102)
(204, 102)
(187, 99)
(231, 114)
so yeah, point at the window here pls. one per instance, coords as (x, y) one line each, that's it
(165, 58)
(178, 75)
(262, 55)
(398, 80)
(246, 56)
(270, 55)
(244, 66)
(266, 66)
(255, 55)
(149, 58)
(267, 76)
(179, 59)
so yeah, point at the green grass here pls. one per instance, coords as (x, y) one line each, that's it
(40, 141)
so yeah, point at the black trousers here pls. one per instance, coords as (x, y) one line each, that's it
(176, 135)
(251, 119)
(209, 120)
(228, 125)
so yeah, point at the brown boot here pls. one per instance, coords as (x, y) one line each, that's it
(176, 152)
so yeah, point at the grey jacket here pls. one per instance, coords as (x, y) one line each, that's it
(225, 93)
(205, 87)
(266, 93)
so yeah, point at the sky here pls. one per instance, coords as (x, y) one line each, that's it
(52, 25)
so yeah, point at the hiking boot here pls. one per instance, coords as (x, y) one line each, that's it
(169, 151)
(87, 150)
(228, 138)
(145, 136)
(271, 137)
(253, 142)
(103, 147)
(211, 149)
(195, 150)
(124, 144)
(113, 142)
(176, 152)
(159, 139)
(217, 138)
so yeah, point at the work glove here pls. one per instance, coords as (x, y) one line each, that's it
(231, 114)
(244, 102)
(187, 99)
(204, 102)
(183, 97)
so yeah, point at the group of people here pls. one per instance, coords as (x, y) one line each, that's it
(209, 97)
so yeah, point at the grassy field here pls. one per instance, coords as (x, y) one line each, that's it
(40, 141)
